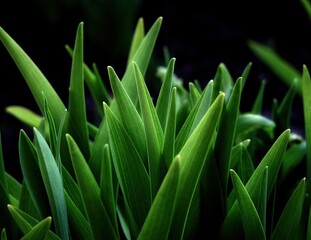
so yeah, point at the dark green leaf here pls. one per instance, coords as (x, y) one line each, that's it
(39, 231)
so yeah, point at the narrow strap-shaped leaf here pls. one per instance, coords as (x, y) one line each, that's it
(138, 37)
(257, 105)
(31, 173)
(141, 57)
(36, 81)
(193, 156)
(293, 157)
(245, 73)
(129, 115)
(194, 116)
(77, 221)
(253, 228)
(245, 166)
(231, 227)
(170, 132)
(194, 94)
(161, 212)
(288, 223)
(307, 6)
(25, 222)
(226, 134)
(97, 214)
(130, 170)
(153, 132)
(306, 98)
(263, 198)
(164, 94)
(77, 110)
(39, 231)
(287, 72)
(25, 115)
(6, 220)
(3, 234)
(222, 81)
(53, 184)
(107, 186)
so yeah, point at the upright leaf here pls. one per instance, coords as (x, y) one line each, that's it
(138, 37)
(193, 156)
(35, 79)
(161, 212)
(97, 214)
(130, 170)
(77, 111)
(39, 231)
(290, 219)
(53, 184)
(252, 225)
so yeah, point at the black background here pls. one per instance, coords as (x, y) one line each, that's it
(199, 34)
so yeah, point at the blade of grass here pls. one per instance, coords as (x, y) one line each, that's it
(130, 170)
(138, 37)
(3, 179)
(26, 222)
(153, 132)
(34, 78)
(277, 64)
(96, 211)
(252, 225)
(39, 231)
(129, 115)
(288, 223)
(3, 234)
(77, 111)
(226, 134)
(231, 227)
(161, 212)
(245, 73)
(193, 155)
(25, 115)
(53, 184)
(306, 99)
(164, 94)
(257, 106)
(307, 6)
(31, 174)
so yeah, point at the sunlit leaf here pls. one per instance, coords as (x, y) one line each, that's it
(25, 115)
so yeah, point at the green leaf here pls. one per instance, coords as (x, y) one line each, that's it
(96, 212)
(153, 132)
(164, 94)
(39, 231)
(35, 80)
(130, 170)
(138, 37)
(3, 234)
(277, 64)
(129, 115)
(141, 57)
(107, 186)
(293, 157)
(193, 156)
(257, 106)
(222, 81)
(53, 184)
(194, 116)
(31, 174)
(289, 221)
(6, 220)
(77, 221)
(194, 94)
(245, 73)
(25, 115)
(77, 111)
(273, 159)
(226, 134)
(252, 225)
(306, 99)
(3, 179)
(170, 132)
(26, 222)
(307, 6)
(249, 122)
(161, 212)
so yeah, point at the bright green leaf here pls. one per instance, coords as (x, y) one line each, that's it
(25, 115)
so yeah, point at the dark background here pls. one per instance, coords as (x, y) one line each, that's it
(200, 34)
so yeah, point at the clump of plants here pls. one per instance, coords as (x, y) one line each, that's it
(185, 164)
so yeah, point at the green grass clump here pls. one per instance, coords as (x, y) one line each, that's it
(186, 164)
